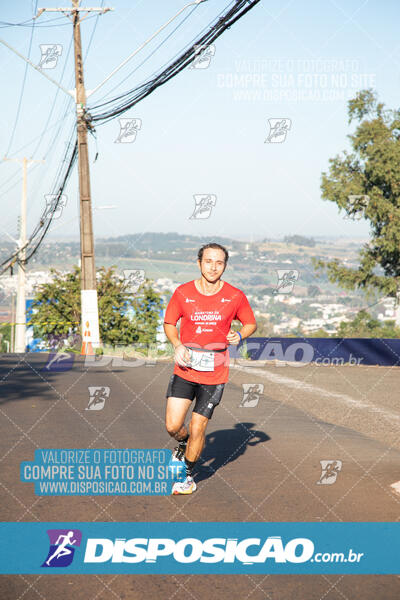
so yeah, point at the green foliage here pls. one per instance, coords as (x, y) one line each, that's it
(364, 326)
(365, 183)
(57, 310)
(264, 327)
(244, 353)
(299, 240)
(313, 290)
(320, 333)
(5, 336)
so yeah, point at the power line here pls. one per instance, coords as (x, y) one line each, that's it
(161, 44)
(92, 34)
(22, 90)
(55, 99)
(151, 53)
(124, 102)
(132, 97)
(48, 214)
(60, 122)
(5, 24)
(63, 183)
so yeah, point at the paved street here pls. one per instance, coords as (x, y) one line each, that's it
(261, 463)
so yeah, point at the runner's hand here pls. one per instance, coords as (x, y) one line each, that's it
(233, 337)
(182, 356)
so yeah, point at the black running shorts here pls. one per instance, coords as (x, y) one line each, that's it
(207, 396)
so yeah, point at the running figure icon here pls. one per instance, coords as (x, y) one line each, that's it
(62, 549)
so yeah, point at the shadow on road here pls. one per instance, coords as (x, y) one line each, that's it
(226, 445)
(25, 376)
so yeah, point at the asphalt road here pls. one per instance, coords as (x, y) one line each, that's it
(261, 463)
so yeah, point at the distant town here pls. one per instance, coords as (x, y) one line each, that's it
(288, 296)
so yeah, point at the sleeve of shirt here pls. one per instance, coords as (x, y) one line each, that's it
(244, 312)
(174, 311)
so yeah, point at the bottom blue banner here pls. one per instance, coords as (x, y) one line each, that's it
(212, 548)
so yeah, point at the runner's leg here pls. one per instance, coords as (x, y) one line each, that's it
(197, 432)
(175, 417)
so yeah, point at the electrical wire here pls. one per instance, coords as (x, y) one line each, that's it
(54, 101)
(58, 195)
(124, 102)
(46, 219)
(4, 24)
(132, 97)
(192, 42)
(92, 34)
(22, 89)
(151, 53)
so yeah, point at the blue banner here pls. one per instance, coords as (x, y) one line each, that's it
(322, 351)
(102, 472)
(212, 548)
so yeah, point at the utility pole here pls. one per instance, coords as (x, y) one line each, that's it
(20, 319)
(397, 309)
(12, 321)
(89, 306)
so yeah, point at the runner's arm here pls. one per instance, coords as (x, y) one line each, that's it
(234, 338)
(171, 331)
(246, 317)
(248, 330)
(181, 355)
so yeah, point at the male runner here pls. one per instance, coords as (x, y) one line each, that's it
(206, 307)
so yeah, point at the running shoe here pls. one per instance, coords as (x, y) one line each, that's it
(179, 452)
(184, 487)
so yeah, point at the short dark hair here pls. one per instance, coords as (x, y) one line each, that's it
(216, 247)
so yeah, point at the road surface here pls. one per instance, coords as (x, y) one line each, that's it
(262, 462)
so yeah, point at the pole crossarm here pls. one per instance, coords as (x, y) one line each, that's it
(69, 12)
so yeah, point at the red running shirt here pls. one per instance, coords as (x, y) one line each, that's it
(205, 323)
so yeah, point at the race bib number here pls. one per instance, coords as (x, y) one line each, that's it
(201, 361)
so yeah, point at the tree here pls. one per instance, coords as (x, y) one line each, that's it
(320, 333)
(5, 337)
(365, 183)
(57, 308)
(299, 240)
(313, 290)
(365, 326)
(264, 327)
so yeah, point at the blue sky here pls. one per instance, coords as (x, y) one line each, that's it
(204, 132)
